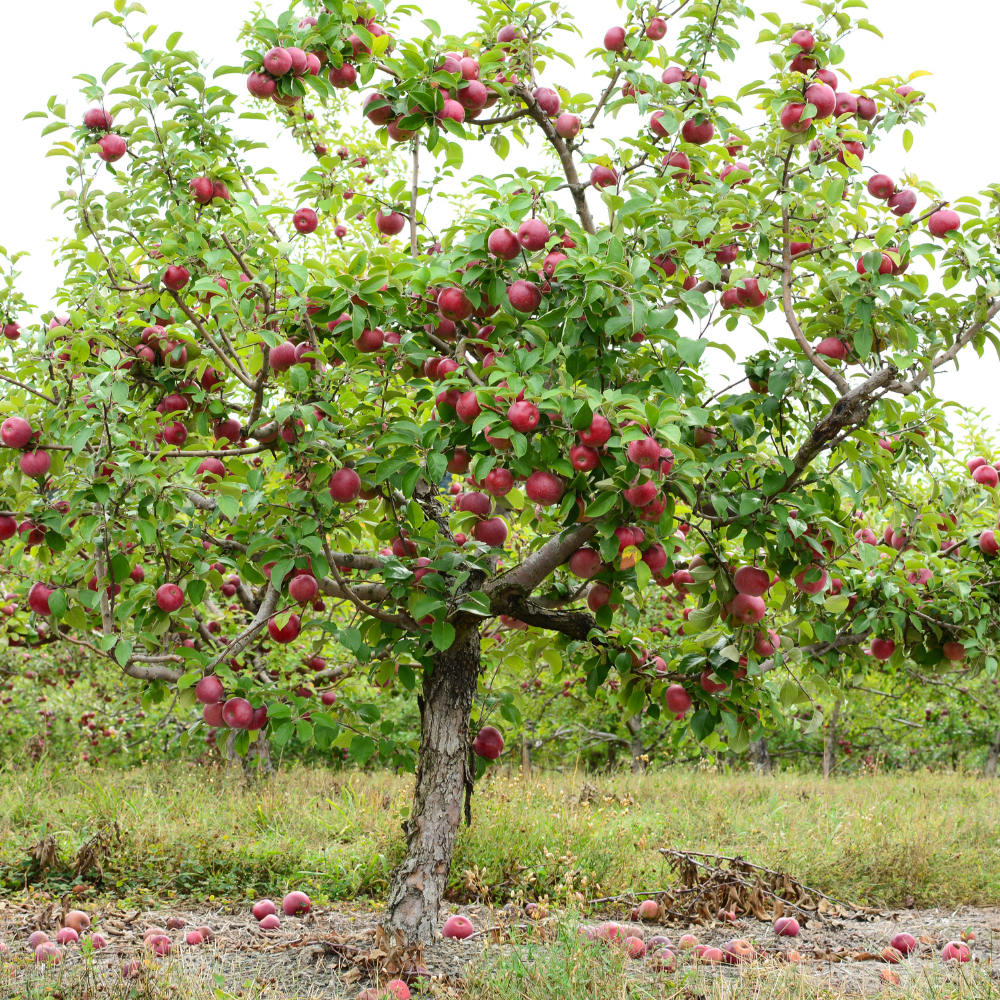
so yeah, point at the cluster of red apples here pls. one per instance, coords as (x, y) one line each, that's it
(294, 904)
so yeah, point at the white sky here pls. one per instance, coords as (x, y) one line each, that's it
(956, 150)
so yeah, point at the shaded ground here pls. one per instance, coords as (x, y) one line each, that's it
(330, 952)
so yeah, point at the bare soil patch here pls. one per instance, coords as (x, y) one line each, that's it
(330, 952)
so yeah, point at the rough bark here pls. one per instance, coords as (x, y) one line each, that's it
(760, 757)
(256, 765)
(634, 726)
(992, 756)
(830, 747)
(441, 783)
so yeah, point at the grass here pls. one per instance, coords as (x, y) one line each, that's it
(200, 834)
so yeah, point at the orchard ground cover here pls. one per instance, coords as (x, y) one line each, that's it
(198, 835)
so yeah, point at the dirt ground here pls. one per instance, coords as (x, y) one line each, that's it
(329, 952)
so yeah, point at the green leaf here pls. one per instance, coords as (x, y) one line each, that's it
(602, 505)
(690, 351)
(702, 723)
(442, 635)
(774, 480)
(120, 568)
(583, 418)
(437, 466)
(280, 570)
(429, 604)
(350, 639)
(111, 70)
(324, 735)
(229, 506)
(362, 747)
(476, 603)
(282, 734)
(123, 651)
(196, 591)
(57, 603)
(907, 139)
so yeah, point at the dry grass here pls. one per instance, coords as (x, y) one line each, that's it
(199, 833)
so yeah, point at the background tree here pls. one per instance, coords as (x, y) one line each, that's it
(248, 403)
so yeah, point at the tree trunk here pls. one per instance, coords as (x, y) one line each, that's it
(526, 753)
(992, 756)
(443, 780)
(256, 765)
(760, 757)
(259, 754)
(830, 747)
(634, 726)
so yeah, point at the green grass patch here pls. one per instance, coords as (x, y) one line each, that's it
(199, 833)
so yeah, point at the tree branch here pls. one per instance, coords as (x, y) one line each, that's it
(942, 359)
(211, 343)
(577, 190)
(241, 641)
(850, 409)
(414, 188)
(843, 386)
(543, 561)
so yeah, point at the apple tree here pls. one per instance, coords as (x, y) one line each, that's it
(255, 395)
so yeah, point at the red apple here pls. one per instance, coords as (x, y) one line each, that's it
(804, 39)
(544, 488)
(237, 713)
(97, 118)
(175, 277)
(881, 186)
(15, 432)
(696, 133)
(504, 244)
(792, 120)
(295, 903)
(822, 98)
(523, 416)
(491, 532)
(882, 649)
(585, 563)
(169, 597)
(345, 485)
(533, 234)
(285, 633)
(524, 296)
(902, 202)
(598, 434)
(943, 222)
(305, 221)
(614, 39)
(567, 126)
(677, 699)
(209, 690)
(488, 743)
(112, 148)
